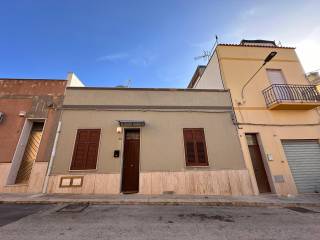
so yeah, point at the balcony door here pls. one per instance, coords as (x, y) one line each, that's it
(276, 76)
(280, 90)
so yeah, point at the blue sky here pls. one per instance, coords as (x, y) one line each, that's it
(152, 43)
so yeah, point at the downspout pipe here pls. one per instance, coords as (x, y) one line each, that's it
(46, 180)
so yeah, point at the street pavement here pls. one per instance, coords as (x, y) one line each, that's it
(262, 200)
(12, 212)
(33, 222)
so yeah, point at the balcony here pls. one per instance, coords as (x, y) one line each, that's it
(291, 97)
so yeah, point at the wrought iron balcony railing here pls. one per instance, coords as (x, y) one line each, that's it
(289, 93)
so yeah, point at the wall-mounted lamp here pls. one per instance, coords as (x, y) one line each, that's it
(119, 129)
(265, 61)
(269, 57)
(22, 113)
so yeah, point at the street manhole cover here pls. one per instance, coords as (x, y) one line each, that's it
(301, 210)
(73, 208)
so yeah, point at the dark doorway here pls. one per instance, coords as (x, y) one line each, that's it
(130, 171)
(257, 162)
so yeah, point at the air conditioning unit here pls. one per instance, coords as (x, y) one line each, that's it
(1, 117)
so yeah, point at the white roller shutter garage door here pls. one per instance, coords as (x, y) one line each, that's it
(304, 160)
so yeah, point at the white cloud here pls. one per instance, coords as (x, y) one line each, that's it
(139, 61)
(249, 12)
(138, 57)
(308, 50)
(113, 57)
(292, 23)
(143, 60)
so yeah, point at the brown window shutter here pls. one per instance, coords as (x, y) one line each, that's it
(195, 147)
(201, 147)
(86, 149)
(189, 147)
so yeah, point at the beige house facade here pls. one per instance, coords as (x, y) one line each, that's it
(148, 141)
(276, 113)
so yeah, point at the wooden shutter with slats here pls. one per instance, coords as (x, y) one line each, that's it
(85, 151)
(195, 147)
(30, 153)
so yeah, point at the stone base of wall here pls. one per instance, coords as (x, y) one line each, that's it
(223, 182)
(220, 182)
(92, 184)
(34, 185)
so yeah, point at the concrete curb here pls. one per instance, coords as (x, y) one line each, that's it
(163, 202)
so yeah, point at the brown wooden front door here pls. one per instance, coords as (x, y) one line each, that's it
(257, 162)
(130, 172)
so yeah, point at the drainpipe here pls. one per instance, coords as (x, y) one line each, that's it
(46, 180)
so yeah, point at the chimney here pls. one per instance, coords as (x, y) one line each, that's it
(73, 80)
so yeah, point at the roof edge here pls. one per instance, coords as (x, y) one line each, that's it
(31, 79)
(148, 89)
(253, 45)
(195, 75)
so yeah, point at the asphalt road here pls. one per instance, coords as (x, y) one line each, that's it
(12, 212)
(156, 222)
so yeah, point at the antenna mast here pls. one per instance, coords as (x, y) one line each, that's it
(207, 54)
(128, 83)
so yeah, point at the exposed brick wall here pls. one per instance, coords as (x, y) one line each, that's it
(35, 98)
(32, 87)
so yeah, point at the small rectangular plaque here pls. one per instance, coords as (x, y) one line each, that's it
(65, 182)
(71, 181)
(278, 178)
(76, 182)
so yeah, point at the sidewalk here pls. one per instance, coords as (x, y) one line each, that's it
(270, 200)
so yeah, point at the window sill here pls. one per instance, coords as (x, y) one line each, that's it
(84, 170)
(190, 167)
(17, 185)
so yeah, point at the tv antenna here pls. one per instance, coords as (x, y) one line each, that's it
(128, 83)
(124, 86)
(207, 54)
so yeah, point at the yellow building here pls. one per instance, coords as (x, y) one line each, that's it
(275, 111)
